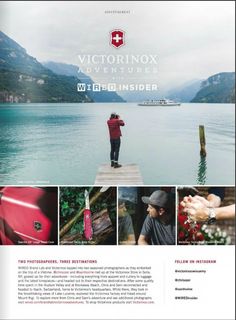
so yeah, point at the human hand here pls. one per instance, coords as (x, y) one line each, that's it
(196, 210)
(187, 200)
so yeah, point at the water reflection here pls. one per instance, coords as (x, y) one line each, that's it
(64, 144)
(33, 134)
(202, 170)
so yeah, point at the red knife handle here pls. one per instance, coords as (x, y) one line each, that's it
(88, 231)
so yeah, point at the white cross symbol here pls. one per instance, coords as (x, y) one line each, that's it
(117, 38)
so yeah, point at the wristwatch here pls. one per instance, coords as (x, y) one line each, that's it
(211, 216)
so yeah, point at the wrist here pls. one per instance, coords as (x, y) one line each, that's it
(211, 215)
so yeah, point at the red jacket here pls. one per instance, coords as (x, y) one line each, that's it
(114, 128)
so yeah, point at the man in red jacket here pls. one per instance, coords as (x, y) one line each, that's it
(114, 124)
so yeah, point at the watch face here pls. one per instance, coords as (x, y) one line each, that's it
(212, 216)
(211, 220)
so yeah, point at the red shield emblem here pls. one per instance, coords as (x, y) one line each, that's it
(117, 38)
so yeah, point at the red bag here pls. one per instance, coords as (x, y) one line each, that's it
(26, 215)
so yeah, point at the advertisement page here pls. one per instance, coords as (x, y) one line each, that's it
(117, 160)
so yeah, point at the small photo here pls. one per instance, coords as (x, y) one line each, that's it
(28, 216)
(206, 215)
(88, 215)
(146, 216)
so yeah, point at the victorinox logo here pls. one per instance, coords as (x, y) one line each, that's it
(117, 38)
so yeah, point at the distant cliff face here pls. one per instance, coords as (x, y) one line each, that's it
(219, 88)
(72, 70)
(24, 79)
(186, 92)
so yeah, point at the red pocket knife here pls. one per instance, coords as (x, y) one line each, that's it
(88, 231)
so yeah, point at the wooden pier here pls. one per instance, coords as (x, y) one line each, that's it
(128, 174)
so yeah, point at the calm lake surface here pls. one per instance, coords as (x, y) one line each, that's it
(66, 143)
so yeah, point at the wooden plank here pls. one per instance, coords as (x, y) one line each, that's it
(128, 174)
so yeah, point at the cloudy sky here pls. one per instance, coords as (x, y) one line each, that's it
(192, 40)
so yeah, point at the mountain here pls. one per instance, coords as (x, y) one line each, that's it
(72, 70)
(185, 92)
(24, 79)
(219, 88)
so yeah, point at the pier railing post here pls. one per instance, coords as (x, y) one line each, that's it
(202, 141)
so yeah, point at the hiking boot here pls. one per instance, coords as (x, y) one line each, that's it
(117, 165)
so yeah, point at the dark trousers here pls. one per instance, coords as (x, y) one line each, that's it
(115, 148)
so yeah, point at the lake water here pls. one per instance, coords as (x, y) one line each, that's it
(66, 143)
